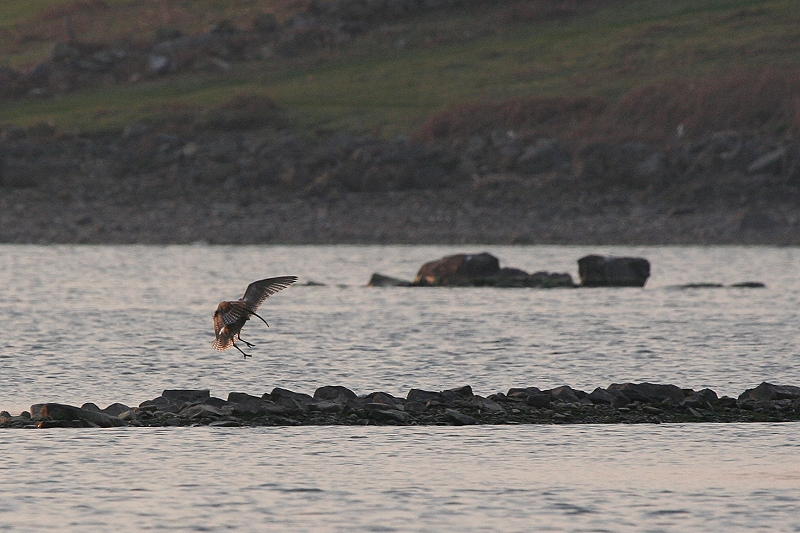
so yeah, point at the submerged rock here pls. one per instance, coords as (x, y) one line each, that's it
(379, 280)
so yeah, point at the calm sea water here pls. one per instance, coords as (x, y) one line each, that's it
(108, 323)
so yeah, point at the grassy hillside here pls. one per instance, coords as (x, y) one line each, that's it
(393, 79)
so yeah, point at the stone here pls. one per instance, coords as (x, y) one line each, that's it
(379, 280)
(383, 398)
(243, 404)
(93, 407)
(202, 410)
(458, 418)
(158, 64)
(458, 269)
(394, 415)
(287, 398)
(608, 271)
(161, 404)
(601, 396)
(57, 411)
(185, 395)
(522, 393)
(566, 394)
(215, 402)
(115, 409)
(419, 395)
(456, 395)
(648, 392)
(489, 405)
(769, 163)
(130, 414)
(539, 400)
(543, 156)
(335, 393)
(769, 392)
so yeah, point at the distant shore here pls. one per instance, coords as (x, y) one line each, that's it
(336, 405)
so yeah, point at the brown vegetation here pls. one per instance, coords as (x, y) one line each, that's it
(763, 100)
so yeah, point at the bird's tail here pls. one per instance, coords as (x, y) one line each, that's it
(221, 343)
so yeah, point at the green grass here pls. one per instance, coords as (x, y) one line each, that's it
(371, 85)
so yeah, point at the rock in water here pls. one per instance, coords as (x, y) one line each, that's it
(58, 411)
(379, 280)
(458, 269)
(608, 271)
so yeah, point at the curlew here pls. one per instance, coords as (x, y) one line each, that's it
(230, 316)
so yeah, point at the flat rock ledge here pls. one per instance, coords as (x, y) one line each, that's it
(620, 403)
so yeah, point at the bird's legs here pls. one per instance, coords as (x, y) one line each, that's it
(246, 355)
(249, 344)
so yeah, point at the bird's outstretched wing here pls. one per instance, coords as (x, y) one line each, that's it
(228, 313)
(260, 290)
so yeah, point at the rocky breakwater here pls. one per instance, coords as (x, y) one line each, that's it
(338, 405)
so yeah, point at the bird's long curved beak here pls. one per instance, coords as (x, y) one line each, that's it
(259, 316)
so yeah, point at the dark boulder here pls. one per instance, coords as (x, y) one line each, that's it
(601, 396)
(116, 409)
(607, 271)
(202, 410)
(767, 392)
(185, 395)
(379, 280)
(532, 396)
(566, 394)
(457, 396)
(458, 418)
(334, 393)
(290, 399)
(242, 403)
(458, 269)
(383, 398)
(519, 393)
(419, 395)
(61, 412)
(648, 392)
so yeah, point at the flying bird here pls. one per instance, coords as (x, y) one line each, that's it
(230, 316)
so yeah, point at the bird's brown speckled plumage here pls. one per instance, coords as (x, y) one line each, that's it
(230, 316)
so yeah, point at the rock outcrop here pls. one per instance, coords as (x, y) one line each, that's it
(483, 270)
(607, 271)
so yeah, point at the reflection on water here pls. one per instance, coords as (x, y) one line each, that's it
(115, 323)
(576, 478)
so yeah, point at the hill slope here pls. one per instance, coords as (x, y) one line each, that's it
(627, 121)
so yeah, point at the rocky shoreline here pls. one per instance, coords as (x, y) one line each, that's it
(626, 403)
(226, 181)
